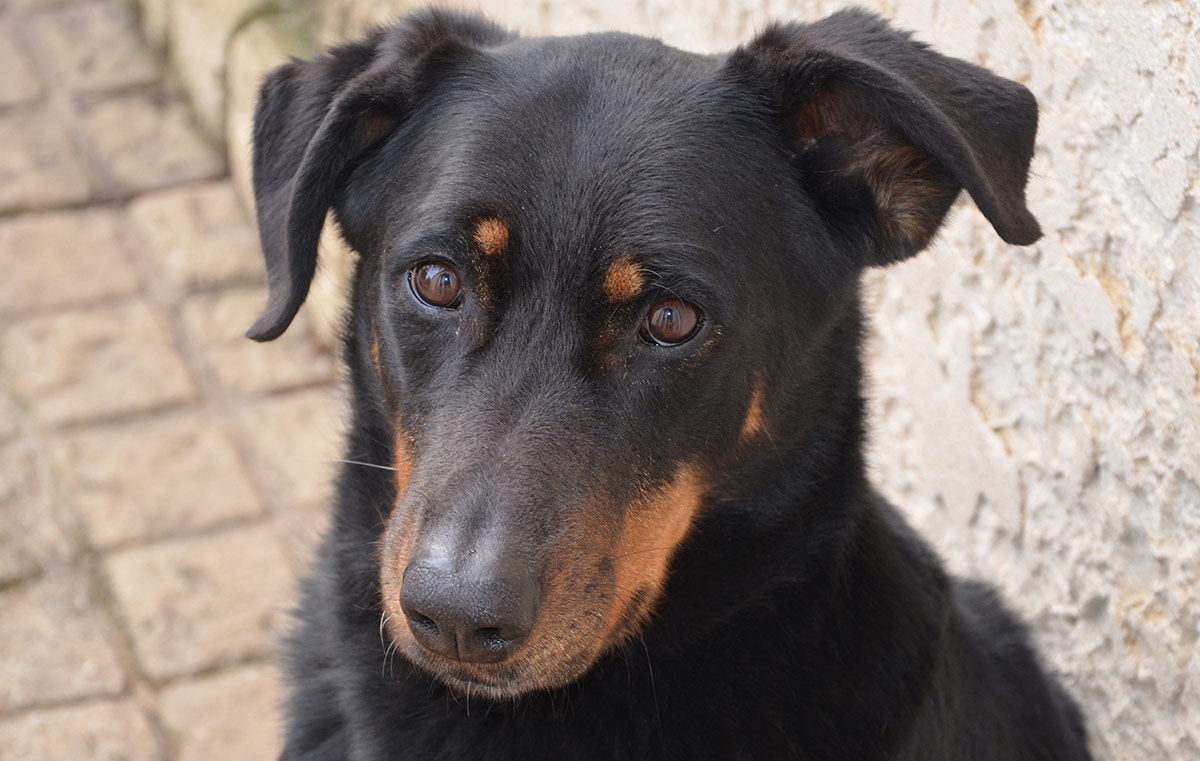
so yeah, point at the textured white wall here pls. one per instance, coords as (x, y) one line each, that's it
(1036, 411)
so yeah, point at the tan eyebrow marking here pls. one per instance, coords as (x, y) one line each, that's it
(624, 280)
(491, 234)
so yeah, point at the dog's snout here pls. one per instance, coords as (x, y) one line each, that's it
(467, 618)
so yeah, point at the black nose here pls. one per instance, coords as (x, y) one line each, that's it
(467, 619)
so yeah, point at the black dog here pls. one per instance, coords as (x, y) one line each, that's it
(605, 335)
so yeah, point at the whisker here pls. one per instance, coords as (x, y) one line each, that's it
(348, 462)
(639, 552)
(653, 688)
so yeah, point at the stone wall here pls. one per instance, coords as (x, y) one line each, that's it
(1036, 411)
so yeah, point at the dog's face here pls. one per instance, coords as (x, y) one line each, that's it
(596, 275)
(570, 319)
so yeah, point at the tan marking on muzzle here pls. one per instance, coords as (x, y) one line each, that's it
(491, 235)
(624, 280)
(654, 528)
(403, 465)
(397, 537)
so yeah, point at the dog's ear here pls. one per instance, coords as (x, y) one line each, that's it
(885, 132)
(317, 118)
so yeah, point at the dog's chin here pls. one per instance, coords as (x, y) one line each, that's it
(473, 689)
(507, 681)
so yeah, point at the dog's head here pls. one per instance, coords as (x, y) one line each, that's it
(598, 276)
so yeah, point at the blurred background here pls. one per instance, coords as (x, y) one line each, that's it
(1036, 411)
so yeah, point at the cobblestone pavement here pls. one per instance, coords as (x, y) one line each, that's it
(161, 478)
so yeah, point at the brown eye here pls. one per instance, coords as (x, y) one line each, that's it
(671, 322)
(436, 284)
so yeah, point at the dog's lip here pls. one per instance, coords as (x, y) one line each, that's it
(508, 679)
(495, 681)
(475, 688)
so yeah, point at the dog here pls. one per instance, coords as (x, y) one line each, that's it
(604, 492)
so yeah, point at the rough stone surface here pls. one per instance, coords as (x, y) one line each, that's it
(142, 576)
(152, 16)
(295, 440)
(54, 646)
(116, 731)
(20, 83)
(233, 715)
(94, 46)
(34, 532)
(254, 51)
(39, 166)
(96, 364)
(198, 237)
(63, 259)
(10, 419)
(199, 34)
(202, 602)
(153, 479)
(37, 5)
(218, 323)
(146, 140)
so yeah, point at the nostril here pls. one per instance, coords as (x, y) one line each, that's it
(422, 624)
(493, 639)
(489, 644)
(490, 634)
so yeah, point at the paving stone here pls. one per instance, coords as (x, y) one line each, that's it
(39, 165)
(19, 83)
(301, 529)
(90, 365)
(153, 479)
(202, 602)
(32, 533)
(218, 322)
(94, 46)
(146, 140)
(10, 419)
(198, 236)
(38, 5)
(102, 731)
(48, 267)
(53, 645)
(234, 715)
(294, 438)
(153, 17)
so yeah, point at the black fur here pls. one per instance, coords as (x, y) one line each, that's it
(801, 618)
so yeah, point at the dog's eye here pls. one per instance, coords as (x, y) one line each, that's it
(436, 284)
(672, 322)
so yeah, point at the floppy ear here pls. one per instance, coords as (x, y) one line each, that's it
(317, 119)
(885, 132)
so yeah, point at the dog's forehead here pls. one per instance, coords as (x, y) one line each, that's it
(604, 146)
